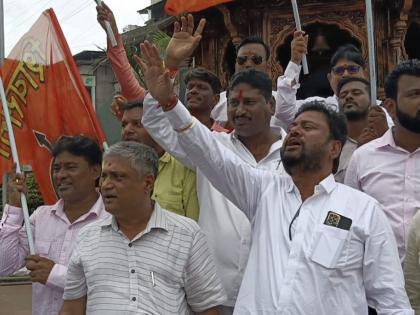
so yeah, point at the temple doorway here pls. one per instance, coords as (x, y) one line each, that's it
(412, 43)
(324, 39)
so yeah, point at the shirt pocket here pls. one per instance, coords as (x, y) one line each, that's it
(162, 290)
(328, 247)
(42, 248)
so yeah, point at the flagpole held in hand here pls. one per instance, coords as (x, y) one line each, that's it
(371, 45)
(299, 28)
(108, 28)
(18, 169)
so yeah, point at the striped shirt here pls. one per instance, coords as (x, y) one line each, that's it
(165, 269)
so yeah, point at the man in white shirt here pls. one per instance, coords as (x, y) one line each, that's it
(252, 53)
(318, 247)
(143, 259)
(388, 168)
(227, 228)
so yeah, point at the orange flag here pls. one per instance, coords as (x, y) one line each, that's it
(46, 98)
(176, 7)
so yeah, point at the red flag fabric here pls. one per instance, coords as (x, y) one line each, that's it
(176, 7)
(47, 99)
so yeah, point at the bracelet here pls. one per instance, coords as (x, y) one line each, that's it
(173, 71)
(171, 104)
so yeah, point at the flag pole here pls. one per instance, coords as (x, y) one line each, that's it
(108, 28)
(18, 169)
(299, 28)
(371, 45)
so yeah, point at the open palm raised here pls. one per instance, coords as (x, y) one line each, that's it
(183, 41)
(156, 76)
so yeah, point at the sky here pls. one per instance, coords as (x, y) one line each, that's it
(76, 17)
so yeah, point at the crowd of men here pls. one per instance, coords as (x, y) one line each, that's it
(244, 201)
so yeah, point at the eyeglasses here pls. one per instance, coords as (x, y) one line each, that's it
(352, 69)
(256, 60)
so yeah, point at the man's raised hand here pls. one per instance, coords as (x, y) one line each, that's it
(155, 74)
(106, 14)
(184, 41)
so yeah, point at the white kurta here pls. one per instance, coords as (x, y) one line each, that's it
(227, 228)
(323, 269)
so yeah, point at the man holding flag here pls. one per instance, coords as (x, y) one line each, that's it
(43, 99)
(76, 170)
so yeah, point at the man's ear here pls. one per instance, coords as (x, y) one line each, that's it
(96, 171)
(336, 148)
(329, 77)
(391, 107)
(216, 99)
(148, 184)
(272, 103)
(366, 73)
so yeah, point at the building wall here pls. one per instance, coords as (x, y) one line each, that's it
(105, 89)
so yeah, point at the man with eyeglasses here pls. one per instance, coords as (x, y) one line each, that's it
(346, 62)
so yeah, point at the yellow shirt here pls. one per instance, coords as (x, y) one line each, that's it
(175, 188)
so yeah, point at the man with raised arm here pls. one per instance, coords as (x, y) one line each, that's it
(227, 228)
(318, 247)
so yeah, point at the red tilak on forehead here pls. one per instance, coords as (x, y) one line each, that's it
(240, 95)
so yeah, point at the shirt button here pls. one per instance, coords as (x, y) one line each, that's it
(133, 271)
(130, 244)
(133, 299)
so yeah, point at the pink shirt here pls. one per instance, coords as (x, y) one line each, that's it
(53, 237)
(130, 87)
(390, 174)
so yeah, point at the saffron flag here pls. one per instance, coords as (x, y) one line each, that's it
(176, 7)
(47, 99)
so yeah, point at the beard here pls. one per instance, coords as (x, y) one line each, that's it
(408, 122)
(303, 161)
(357, 115)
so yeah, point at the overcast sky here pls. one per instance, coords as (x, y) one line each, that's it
(76, 17)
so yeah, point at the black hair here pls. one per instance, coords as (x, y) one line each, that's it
(349, 52)
(206, 76)
(257, 79)
(408, 67)
(80, 146)
(347, 80)
(133, 104)
(336, 122)
(255, 40)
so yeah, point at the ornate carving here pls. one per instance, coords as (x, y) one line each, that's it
(280, 27)
(399, 31)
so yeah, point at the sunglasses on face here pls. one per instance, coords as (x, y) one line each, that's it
(256, 60)
(352, 69)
